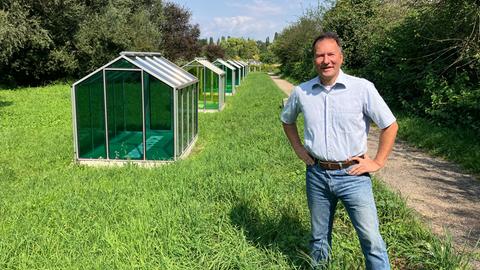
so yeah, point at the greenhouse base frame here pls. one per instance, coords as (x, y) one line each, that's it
(139, 163)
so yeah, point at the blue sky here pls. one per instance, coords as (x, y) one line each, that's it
(255, 19)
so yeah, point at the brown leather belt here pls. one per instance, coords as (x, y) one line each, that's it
(335, 165)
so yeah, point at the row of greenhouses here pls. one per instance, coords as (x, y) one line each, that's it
(142, 108)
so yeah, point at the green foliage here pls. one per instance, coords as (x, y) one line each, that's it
(448, 101)
(293, 46)
(268, 57)
(44, 41)
(213, 52)
(240, 48)
(238, 202)
(179, 37)
(423, 56)
(22, 39)
(457, 144)
(102, 36)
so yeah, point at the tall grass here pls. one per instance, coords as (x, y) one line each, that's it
(237, 202)
(456, 144)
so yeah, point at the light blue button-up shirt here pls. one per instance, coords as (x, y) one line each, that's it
(337, 120)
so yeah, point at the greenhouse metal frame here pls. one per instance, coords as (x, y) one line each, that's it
(211, 89)
(244, 67)
(137, 101)
(238, 72)
(247, 68)
(229, 74)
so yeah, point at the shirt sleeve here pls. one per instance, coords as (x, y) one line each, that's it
(291, 110)
(377, 109)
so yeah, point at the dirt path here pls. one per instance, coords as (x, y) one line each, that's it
(447, 199)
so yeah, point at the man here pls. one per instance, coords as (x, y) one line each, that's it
(337, 110)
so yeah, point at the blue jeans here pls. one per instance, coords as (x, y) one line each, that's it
(324, 189)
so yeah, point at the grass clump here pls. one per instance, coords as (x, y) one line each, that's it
(456, 144)
(238, 202)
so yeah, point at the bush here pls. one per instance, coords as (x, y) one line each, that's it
(423, 56)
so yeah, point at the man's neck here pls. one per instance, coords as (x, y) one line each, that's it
(328, 82)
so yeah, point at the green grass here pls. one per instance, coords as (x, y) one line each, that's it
(455, 144)
(238, 202)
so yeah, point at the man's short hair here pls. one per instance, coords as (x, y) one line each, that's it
(327, 35)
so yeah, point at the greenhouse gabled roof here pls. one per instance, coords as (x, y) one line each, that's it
(161, 68)
(234, 64)
(242, 62)
(207, 64)
(219, 60)
(239, 63)
(156, 65)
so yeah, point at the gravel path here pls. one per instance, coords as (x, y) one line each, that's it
(447, 199)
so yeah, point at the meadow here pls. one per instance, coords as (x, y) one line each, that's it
(237, 202)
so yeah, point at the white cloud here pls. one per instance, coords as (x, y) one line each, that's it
(256, 19)
(238, 26)
(260, 7)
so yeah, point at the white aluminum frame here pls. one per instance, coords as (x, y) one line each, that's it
(158, 66)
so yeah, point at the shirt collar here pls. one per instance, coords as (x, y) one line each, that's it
(341, 79)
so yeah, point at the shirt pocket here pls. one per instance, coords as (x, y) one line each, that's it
(348, 121)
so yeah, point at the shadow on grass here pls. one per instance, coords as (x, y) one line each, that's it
(284, 233)
(5, 103)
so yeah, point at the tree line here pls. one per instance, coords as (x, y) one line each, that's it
(43, 41)
(423, 55)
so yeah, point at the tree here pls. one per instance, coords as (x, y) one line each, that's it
(213, 51)
(293, 46)
(268, 57)
(36, 38)
(179, 36)
(42, 41)
(202, 42)
(240, 48)
(118, 27)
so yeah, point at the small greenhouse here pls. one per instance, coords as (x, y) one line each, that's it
(139, 107)
(211, 84)
(254, 66)
(238, 72)
(247, 67)
(229, 73)
(244, 67)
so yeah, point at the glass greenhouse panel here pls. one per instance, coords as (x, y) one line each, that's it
(90, 117)
(237, 77)
(192, 110)
(122, 63)
(158, 119)
(211, 90)
(199, 72)
(124, 114)
(229, 80)
(180, 121)
(178, 129)
(195, 91)
(185, 117)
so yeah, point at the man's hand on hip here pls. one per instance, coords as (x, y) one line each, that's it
(365, 165)
(303, 154)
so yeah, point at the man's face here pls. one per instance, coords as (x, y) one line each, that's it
(328, 59)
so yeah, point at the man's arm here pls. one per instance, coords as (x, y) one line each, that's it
(385, 146)
(292, 135)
